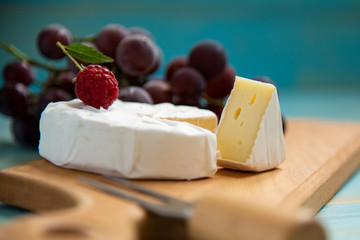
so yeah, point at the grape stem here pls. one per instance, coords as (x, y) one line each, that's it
(68, 54)
(19, 54)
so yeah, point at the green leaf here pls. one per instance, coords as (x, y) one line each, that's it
(87, 54)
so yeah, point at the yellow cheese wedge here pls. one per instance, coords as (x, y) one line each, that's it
(250, 133)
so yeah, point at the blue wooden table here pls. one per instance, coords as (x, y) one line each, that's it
(310, 48)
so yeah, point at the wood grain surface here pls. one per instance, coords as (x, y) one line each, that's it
(321, 156)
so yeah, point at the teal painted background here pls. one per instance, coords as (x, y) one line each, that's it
(310, 48)
(303, 44)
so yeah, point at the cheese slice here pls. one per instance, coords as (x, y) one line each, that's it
(127, 140)
(250, 135)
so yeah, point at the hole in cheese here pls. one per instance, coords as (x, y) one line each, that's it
(239, 142)
(253, 99)
(237, 113)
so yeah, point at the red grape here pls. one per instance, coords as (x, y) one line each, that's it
(141, 31)
(52, 95)
(187, 83)
(65, 81)
(135, 94)
(26, 130)
(187, 100)
(216, 109)
(48, 38)
(14, 99)
(159, 90)
(18, 72)
(174, 65)
(133, 80)
(157, 61)
(222, 85)
(136, 55)
(109, 38)
(209, 57)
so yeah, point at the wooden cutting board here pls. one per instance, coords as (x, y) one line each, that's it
(321, 156)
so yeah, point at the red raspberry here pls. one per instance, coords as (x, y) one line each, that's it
(97, 86)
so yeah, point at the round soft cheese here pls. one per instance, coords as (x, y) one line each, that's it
(123, 141)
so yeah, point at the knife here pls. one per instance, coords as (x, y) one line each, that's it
(221, 217)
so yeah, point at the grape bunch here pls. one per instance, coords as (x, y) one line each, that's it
(136, 55)
(203, 78)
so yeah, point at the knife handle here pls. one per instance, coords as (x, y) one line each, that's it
(220, 217)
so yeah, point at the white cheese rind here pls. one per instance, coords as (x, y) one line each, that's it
(269, 148)
(164, 110)
(199, 117)
(124, 144)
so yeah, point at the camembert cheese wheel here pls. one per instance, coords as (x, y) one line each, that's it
(249, 134)
(130, 140)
